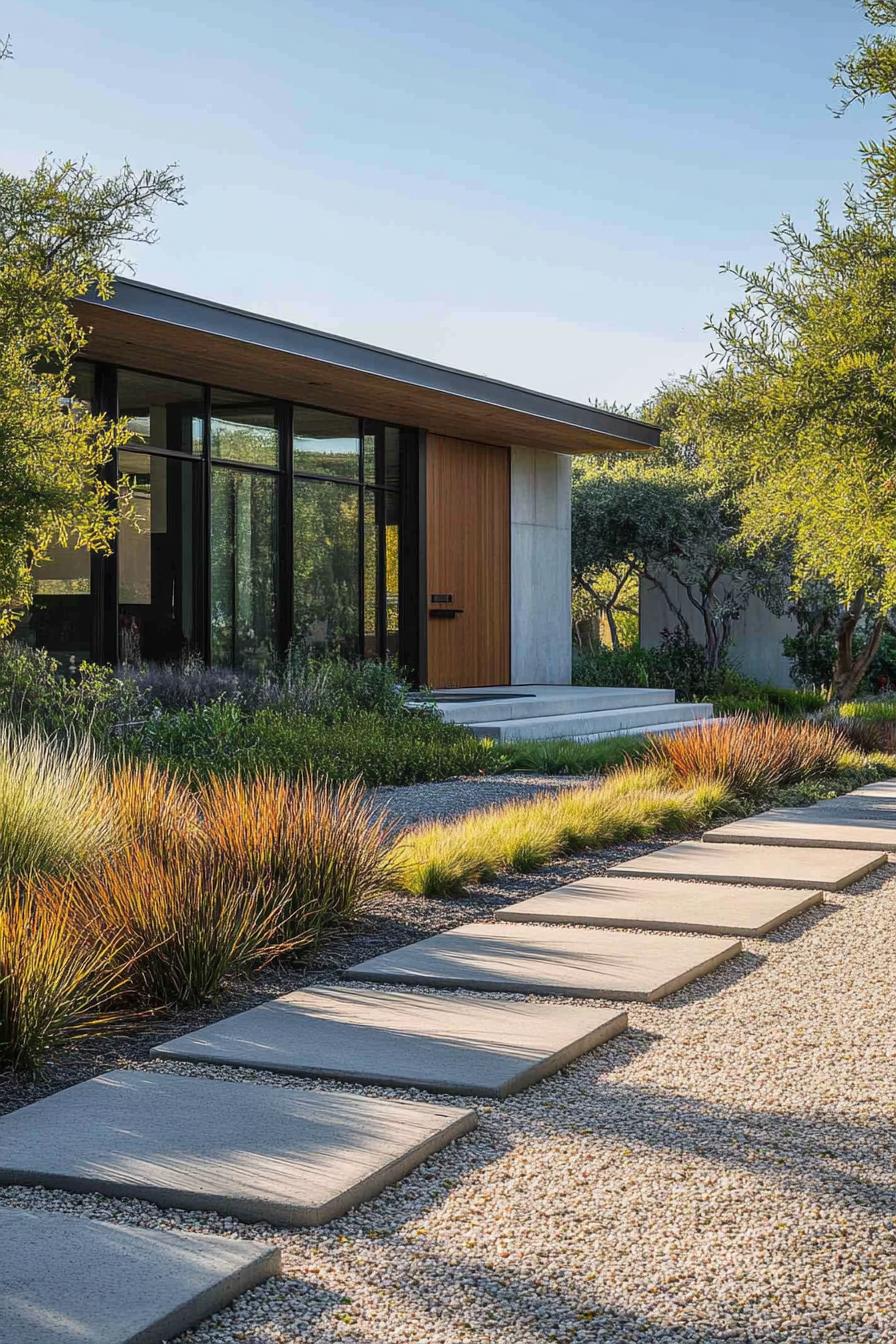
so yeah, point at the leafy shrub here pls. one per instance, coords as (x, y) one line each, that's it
(58, 981)
(678, 664)
(55, 812)
(322, 848)
(441, 858)
(751, 756)
(34, 693)
(221, 739)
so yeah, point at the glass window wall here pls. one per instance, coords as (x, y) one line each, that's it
(325, 566)
(157, 559)
(162, 413)
(244, 559)
(244, 429)
(324, 444)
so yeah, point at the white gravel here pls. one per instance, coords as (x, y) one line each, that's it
(724, 1171)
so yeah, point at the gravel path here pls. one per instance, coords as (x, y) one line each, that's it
(412, 803)
(721, 1172)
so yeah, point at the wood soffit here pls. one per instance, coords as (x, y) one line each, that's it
(132, 339)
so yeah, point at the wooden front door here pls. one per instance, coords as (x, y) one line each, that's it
(467, 563)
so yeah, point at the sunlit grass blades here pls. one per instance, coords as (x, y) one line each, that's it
(750, 755)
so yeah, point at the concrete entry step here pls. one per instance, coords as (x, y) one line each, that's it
(657, 903)
(444, 1043)
(75, 1281)
(275, 1154)
(593, 723)
(802, 828)
(534, 959)
(477, 704)
(754, 865)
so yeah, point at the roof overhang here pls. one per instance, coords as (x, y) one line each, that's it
(144, 327)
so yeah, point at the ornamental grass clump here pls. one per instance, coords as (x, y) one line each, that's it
(752, 756)
(55, 811)
(152, 806)
(60, 980)
(183, 922)
(442, 858)
(323, 849)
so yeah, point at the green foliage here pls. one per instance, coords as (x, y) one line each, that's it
(565, 756)
(667, 522)
(222, 739)
(869, 709)
(679, 664)
(62, 231)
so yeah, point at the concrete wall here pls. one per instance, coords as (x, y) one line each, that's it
(755, 642)
(540, 566)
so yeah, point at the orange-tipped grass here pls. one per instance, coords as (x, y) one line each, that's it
(751, 755)
(184, 924)
(152, 806)
(323, 848)
(59, 981)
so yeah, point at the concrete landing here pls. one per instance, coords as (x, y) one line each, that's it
(74, 1281)
(655, 903)
(533, 959)
(754, 865)
(444, 1043)
(856, 805)
(804, 828)
(282, 1155)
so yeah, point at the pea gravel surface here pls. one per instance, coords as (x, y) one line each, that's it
(724, 1171)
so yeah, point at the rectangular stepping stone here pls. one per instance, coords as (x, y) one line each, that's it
(445, 1043)
(657, 903)
(856, 805)
(535, 959)
(798, 826)
(278, 1154)
(75, 1281)
(883, 788)
(755, 865)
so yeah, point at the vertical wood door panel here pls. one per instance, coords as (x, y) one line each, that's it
(468, 562)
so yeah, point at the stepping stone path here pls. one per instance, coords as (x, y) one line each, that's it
(297, 1157)
(445, 1043)
(755, 865)
(658, 903)
(75, 1281)
(538, 959)
(801, 828)
(274, 1154)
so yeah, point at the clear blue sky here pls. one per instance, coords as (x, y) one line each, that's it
(541, 190)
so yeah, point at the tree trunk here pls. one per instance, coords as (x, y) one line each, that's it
(611, 626)
(849, 668)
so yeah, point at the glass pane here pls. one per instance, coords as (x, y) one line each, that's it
(326, 566)
(370, 444)
(391, 476)
(162, 412)
(157, 556)
(244, 568)
(391, 507)
(244, 429)
(83, 382)
(324, 444)
(371, 575)
(60, 619)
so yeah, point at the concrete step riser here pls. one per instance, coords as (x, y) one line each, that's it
(562, 702)
(606, 723)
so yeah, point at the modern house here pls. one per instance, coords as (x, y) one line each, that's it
(292, 486)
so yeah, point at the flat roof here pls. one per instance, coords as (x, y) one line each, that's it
(371, 364)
